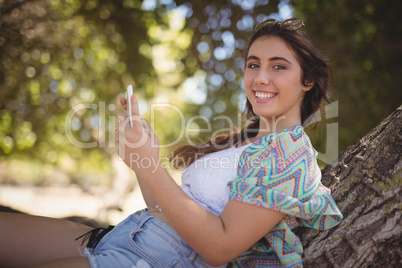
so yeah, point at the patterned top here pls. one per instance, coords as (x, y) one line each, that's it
(280, 172)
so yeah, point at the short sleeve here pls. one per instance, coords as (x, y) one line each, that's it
(280, 172)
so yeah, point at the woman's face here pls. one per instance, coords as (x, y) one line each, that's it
(273, 80)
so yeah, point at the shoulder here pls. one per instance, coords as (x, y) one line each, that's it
(282, 163)
(293, 144)
(289, 140)
(280, 146)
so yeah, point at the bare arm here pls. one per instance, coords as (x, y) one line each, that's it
(146, 195)
(219, 239)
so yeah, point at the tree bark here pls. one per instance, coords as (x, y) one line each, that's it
(366, 184)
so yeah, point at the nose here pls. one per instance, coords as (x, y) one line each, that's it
(262, 77)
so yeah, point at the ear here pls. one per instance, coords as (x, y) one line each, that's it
(308, 85)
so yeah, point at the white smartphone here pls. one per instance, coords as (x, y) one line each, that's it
(129, 94)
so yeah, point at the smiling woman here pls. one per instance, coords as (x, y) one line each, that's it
(242, 193)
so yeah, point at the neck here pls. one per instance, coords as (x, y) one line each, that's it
(271, 125)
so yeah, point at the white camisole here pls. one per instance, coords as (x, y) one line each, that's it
(206, 179)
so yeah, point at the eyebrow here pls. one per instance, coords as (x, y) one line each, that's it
(270, 59)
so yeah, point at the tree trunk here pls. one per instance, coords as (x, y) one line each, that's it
(366, 185)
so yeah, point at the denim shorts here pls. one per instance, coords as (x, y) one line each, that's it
(143, 241)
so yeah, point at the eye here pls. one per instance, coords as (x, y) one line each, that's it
(279, 67)
(252, 65)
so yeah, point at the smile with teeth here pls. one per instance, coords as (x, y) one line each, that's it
(264, 95)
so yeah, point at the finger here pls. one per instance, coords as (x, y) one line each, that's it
(151, 132)
(134, 106)
(144, 123)
(147, 125)
(147, 131)
(123, 103)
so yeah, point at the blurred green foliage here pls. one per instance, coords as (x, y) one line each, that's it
(363, 41)
(65, 63)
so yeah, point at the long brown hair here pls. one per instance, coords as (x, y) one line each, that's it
(314, 68)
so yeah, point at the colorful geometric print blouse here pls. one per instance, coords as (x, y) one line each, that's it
(280, 172)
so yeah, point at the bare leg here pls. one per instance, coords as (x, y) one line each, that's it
(29, 240)
(78, 262)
